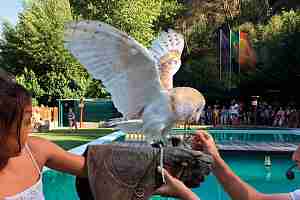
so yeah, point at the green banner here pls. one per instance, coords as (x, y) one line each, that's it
(234, 45)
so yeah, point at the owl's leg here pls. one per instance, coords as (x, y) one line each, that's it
(189, 125)
(157, 140)
(185, 129)
(161, 163)
(153, 133)
(186, 135)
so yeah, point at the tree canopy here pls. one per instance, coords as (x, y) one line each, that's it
(34, 51)
(142, 19)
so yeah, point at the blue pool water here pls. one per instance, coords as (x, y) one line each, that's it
(249, 166)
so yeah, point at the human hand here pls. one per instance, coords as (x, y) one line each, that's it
(189, 166)
(203, 141)
(174, 188)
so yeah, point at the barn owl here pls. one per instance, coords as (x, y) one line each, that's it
(140, 80)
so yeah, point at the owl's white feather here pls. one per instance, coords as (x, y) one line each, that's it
(167, 42)
(125, 67)
(166, 51)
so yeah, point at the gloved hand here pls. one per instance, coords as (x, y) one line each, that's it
(129, 171)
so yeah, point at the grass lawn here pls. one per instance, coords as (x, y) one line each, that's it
(68, 140)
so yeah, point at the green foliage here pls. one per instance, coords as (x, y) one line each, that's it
(40, 33)
(200, 36)
(138, 18)
(9, 48)
(96, 90)
(29, 80)
(277, 44)
(281, 36)
(170, 11)
(254, 11)
(35, 47)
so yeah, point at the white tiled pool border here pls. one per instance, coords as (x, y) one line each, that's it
(102, 140)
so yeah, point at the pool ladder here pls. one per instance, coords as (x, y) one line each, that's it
(268, 164)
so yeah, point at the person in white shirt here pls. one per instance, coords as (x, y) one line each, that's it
(234, 113)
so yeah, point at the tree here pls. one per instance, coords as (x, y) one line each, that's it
(141, 19)
(30, 81)
(255, 11)
(277, 45)
(36, 46)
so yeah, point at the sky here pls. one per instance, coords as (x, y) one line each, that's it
(9, 9)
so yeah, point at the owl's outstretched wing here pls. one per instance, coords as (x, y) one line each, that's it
(166, 51)
(124, 66)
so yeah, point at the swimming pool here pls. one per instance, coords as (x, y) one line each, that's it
(248, 165)
(251, 168)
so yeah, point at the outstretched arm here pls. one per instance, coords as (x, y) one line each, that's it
(232, 184)
(57, 158)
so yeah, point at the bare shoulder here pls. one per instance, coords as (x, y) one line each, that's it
(41, 144)
(40, 147)
(57, 158)
(38, 142)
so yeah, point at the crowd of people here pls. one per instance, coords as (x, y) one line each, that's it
(239, 113)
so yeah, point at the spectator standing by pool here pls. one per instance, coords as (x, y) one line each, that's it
(72, 119)
(279, 118)
(273, 116)
(208, 115)
(224, 115)
(234, 113)
(215, 115)
(287, 115)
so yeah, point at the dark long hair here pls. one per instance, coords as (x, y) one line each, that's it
(13, 100)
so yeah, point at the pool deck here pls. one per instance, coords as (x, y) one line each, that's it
(102, 140)
(258, 146)
(239, 142)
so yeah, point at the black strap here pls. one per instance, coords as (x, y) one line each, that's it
(83, 185)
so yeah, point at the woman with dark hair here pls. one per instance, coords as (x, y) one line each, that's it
(23, 157)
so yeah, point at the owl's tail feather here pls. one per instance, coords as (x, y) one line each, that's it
(128, 126)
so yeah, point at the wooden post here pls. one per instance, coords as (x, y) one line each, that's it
(81, 106)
